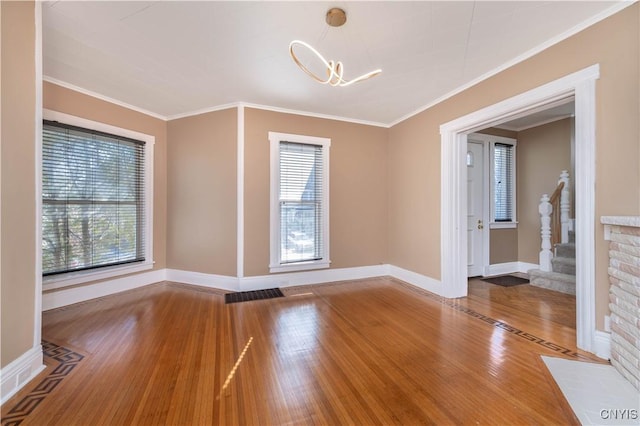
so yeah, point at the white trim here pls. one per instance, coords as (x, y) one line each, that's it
(240, 195)
(418, 280)
(20, 371)
(501, 269)
(204, 111)
(312, 277)
(69, 296)
(503, 225)
(275, 261)
(102, 97)
(584, 186)
(315, 115)
(581, 85)
(37, 324)
(222, 282)
(602, 344)
(509, 268)
(81, 277)
(208, 109)
(525, 267)
(617, 7)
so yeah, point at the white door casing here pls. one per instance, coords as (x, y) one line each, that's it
(475, 208)
(581, 85)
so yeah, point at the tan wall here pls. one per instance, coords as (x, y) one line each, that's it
(18, 278)
(202, 203)
(67, 101)
(542, 153)
(358, 188)
(503, 243)
(414, 153)
(503, 246)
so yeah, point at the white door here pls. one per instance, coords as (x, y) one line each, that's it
(475, 208)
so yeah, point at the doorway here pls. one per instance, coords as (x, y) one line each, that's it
(580, 85)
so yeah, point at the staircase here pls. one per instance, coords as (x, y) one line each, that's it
(558, 267)
(562, 276)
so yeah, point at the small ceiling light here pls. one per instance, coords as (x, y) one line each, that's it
(336, 17)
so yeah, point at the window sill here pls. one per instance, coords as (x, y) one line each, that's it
(503, 225)
(299, 266)
(81, 277)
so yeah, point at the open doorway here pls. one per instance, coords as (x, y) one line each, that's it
(581, 86)
(509, 167)
(525, 158)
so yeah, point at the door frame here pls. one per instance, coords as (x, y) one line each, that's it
(581, 86)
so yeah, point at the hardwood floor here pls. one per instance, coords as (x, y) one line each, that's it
(374, 351)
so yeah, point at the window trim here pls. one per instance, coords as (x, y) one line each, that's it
(80, 277)
(275, 263)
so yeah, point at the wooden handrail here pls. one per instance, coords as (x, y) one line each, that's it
(556, 227)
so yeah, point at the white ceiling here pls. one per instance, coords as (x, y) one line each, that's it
(177, 58)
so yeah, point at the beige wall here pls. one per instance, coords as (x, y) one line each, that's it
(414, 152)
(542, 153)
(202, 203)
(503, 243)
(358, 188)
(503, 246)
(18, 277)
(57, 98)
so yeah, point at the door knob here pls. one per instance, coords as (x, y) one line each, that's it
(480, 225)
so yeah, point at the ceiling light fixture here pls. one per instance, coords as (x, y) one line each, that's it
(335, 70)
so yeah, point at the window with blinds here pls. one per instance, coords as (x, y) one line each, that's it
(93, 199)
(503, 185)
(299, 202)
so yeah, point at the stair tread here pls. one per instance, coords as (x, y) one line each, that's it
(564, 260)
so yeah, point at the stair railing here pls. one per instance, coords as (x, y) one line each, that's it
(555, 222)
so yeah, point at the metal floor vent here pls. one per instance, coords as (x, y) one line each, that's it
(245, 296)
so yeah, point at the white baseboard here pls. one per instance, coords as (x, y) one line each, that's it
(56, 299)
(509, 268)
(312, 277)
(222, 282)
(418, 280)
(20, 371)
(525, 267)
(63, 297)
(602, 344)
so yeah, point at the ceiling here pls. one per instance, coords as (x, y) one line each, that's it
(177, 58)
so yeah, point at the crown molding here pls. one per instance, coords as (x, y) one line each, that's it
(617, 7)
(101, 97)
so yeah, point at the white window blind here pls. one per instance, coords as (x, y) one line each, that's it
(93, 207)
(503, 182)
(301, 202)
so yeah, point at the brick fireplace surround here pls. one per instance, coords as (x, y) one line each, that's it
(623, 233)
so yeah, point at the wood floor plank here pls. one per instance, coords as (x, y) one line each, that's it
(373, 351)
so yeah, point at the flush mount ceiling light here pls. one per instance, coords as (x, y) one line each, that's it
(335, 70)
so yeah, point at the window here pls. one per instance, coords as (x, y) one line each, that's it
(95, 201)
(299, 202)
(503, 182)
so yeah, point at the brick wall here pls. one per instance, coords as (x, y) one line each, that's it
(624, 295)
